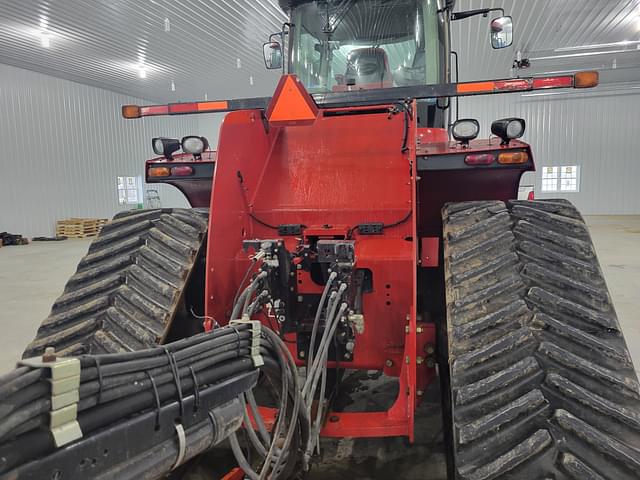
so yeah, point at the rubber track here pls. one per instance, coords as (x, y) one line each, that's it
(125, 291)
(542, 384)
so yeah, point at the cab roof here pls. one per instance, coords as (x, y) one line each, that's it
(287, 4)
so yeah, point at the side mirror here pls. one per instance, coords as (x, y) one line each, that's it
(501, 32)
(272, 52)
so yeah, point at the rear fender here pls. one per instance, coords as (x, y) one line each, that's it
(444, 177)
(196, 186)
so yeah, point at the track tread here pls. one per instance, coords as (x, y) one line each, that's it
(125, 291)
(542, 384)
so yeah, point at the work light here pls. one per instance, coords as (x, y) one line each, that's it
(465, 129)
(194, 145)
(165, 146)
(508, 129)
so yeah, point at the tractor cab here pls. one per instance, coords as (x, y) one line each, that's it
(354, 45)
(366, 44)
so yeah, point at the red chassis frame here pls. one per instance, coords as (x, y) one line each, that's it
(277, 175)
(348, 166)
(332, 170)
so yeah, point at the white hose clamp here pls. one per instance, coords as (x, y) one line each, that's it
(182, 445)
(64, 379)
(256, 333)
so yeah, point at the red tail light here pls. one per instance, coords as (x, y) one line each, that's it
(183, 171)
(479, 159)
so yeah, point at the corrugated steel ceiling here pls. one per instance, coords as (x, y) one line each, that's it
(212, 48)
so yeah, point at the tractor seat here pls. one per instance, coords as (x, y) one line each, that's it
(367, 68)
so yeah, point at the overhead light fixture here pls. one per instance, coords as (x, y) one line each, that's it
(45, 39)
(173, 86)
(622, 43)
(167, 25)
(585, 54)
(142, 72)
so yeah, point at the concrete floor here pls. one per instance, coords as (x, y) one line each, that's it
(32, 277)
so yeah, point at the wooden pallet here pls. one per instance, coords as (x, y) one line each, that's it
(80, 227)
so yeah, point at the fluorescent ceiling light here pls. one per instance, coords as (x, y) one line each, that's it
(142, 72)
(622, 43)
(584, 54)
(45, 39)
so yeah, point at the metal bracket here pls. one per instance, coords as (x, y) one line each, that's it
(64, 378)
(256, 331)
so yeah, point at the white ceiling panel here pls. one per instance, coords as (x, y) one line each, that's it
(212, 47)
(196, 49)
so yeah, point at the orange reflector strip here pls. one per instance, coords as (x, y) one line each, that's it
(212, 106)
(159, 172)
(513, 157)
(586, 79)
(131, 111)
(476, 87)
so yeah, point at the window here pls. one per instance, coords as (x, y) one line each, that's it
(569, 178)
(549, 179)
(129, 190)
(561, 179)
(364, 44)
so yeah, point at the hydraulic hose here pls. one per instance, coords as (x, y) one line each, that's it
(316, 320)
(35, 400)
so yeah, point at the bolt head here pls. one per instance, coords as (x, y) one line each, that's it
(49, 354)
(388, 363)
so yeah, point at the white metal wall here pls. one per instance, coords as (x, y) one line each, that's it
(62, 145)
(597, 130)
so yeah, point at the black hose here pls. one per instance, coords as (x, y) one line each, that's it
(40, 442)
(126, 372)
(160, 377)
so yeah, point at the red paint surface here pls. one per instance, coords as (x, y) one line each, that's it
(332, 175)
(432, 135)
(340, 171)
(429, 250)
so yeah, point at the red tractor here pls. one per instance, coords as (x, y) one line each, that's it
(347, 230)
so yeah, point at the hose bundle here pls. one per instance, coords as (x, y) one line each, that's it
(248, 302)
(198, 390)
(118, 390)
